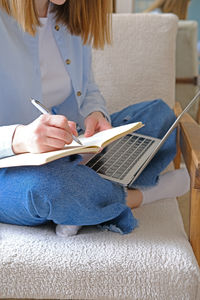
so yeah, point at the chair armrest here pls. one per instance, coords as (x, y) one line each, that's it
(198, 115)
(190, 149)
(190, 145)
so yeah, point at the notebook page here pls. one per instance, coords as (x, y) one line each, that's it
(100, 138)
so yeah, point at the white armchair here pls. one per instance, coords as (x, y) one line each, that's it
(156, 260)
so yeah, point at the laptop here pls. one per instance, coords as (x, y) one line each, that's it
(124, 160)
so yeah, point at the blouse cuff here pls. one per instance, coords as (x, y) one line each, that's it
(6, 137)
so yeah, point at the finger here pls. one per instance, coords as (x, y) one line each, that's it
(54, 143)
(55, 120)
(90, 126)
(72, 126)
(42, 148)
(60, 134)
(104, 124)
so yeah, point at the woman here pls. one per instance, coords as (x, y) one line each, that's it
(179, 8)
(46, 54)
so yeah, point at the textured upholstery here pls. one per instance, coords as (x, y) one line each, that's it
(142, 65)
(156, 260)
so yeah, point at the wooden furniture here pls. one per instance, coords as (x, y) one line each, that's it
(190, 148)
(198, 115)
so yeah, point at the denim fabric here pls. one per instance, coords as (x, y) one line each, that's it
(66, 192)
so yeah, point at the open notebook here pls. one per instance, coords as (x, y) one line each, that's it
(91, 144)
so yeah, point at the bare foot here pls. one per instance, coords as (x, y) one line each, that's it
(134, 198)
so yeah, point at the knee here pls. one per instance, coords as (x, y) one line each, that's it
(164, 108)
(165, 115)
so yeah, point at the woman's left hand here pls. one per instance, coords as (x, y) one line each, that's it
(96, 122)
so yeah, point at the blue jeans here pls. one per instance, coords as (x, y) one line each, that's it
(66, 192)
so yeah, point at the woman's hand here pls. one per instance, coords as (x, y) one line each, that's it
(46, 133)
(95, 122)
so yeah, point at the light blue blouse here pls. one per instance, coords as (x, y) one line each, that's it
(20, 78)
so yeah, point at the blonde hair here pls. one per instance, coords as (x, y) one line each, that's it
(178, 7)
(90, 19)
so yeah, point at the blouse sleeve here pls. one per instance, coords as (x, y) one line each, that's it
(6, 136)
(93, 100)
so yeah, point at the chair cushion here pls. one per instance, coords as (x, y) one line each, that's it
(135, 68)
(155, 261)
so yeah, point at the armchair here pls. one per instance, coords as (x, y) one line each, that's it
(156, 260)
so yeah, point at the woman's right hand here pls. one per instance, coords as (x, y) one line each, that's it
(46, 133)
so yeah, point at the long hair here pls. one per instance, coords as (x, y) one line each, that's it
(90, 19)
(178, 7)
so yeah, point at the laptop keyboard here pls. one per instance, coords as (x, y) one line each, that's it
(118, 158)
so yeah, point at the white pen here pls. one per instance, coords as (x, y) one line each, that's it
(45, 110)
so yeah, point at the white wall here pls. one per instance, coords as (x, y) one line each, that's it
(124, 6)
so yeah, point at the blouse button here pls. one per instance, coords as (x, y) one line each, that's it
(78, 93)
(57, 27)
(68, 61)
